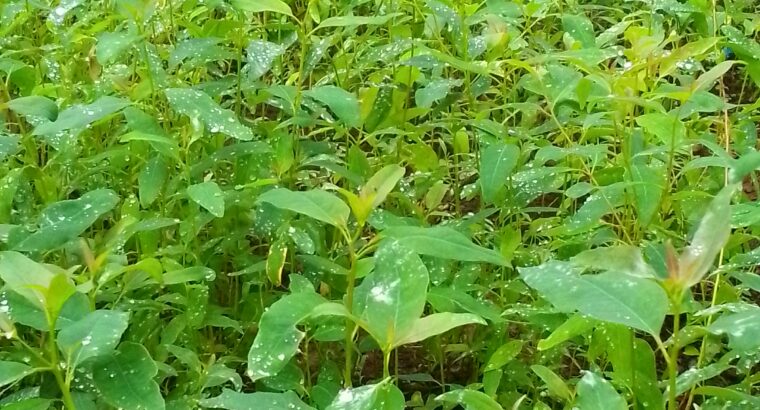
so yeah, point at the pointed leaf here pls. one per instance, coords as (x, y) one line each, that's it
(635, 302)
(320, 205)
(35, 106)
(504, 355)
(65, 220)
(436, 324)
(112, 44)
(278, 338)
(341, 102)
(554, 383)
(579, 27)
(742, 328)
(199, 106)
(191, 274)
(261, 55)
(124, 378)
(79, 117)
(381, 184)
(151, 179)
(258, 6)
(392, 298)
(496, 163)
(97, 333)
(380, 396)
(711, 236)
(25, 277)
(469, 399)
(350, 21)
(442, 242)
(648, 185)
(596, 393)
(232, 400)
(209, 196)
(11, 372)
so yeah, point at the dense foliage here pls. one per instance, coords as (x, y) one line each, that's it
(379, 204)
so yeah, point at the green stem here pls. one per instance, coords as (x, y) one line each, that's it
(55, 367)
(673, 354)
(350, 327)
(386, 362)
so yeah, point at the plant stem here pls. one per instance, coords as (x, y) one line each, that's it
(350, 328)
(673, 354)
(386, 361)
(55, 367)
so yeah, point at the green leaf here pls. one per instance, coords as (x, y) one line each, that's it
(469, 399)
(341, 102)
(625, 259)
(278, 338)
(25, 277)
(380, 396)
(79, 117)
(11, 372)
(579, 27)
(320, 205)
(352, 21)
(218, 374)
(199, 106)
(261, 55)
(742, 328)
(596, 393)
(196, 52)
(113, 44)
(711, 236)
(668, 128)
(191, 274)
(209, 196)
(504, 355)
(124, 378)
(596, 206)
(392, 298)
(442, 242)
(34, 403)
(573, 326)
(97, 333)
(497, 161)
(435, 324)
(258, 6)
(65, 220)
(381, 184)
(631, 301)
(35, 106)
(9, 145)
(232, 400)
(554, 383)
(151, 179)
(437, 90)
(648, 186)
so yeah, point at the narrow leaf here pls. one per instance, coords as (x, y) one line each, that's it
(436, 324)
(496, 163)
(320, 205)
(443, 242)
